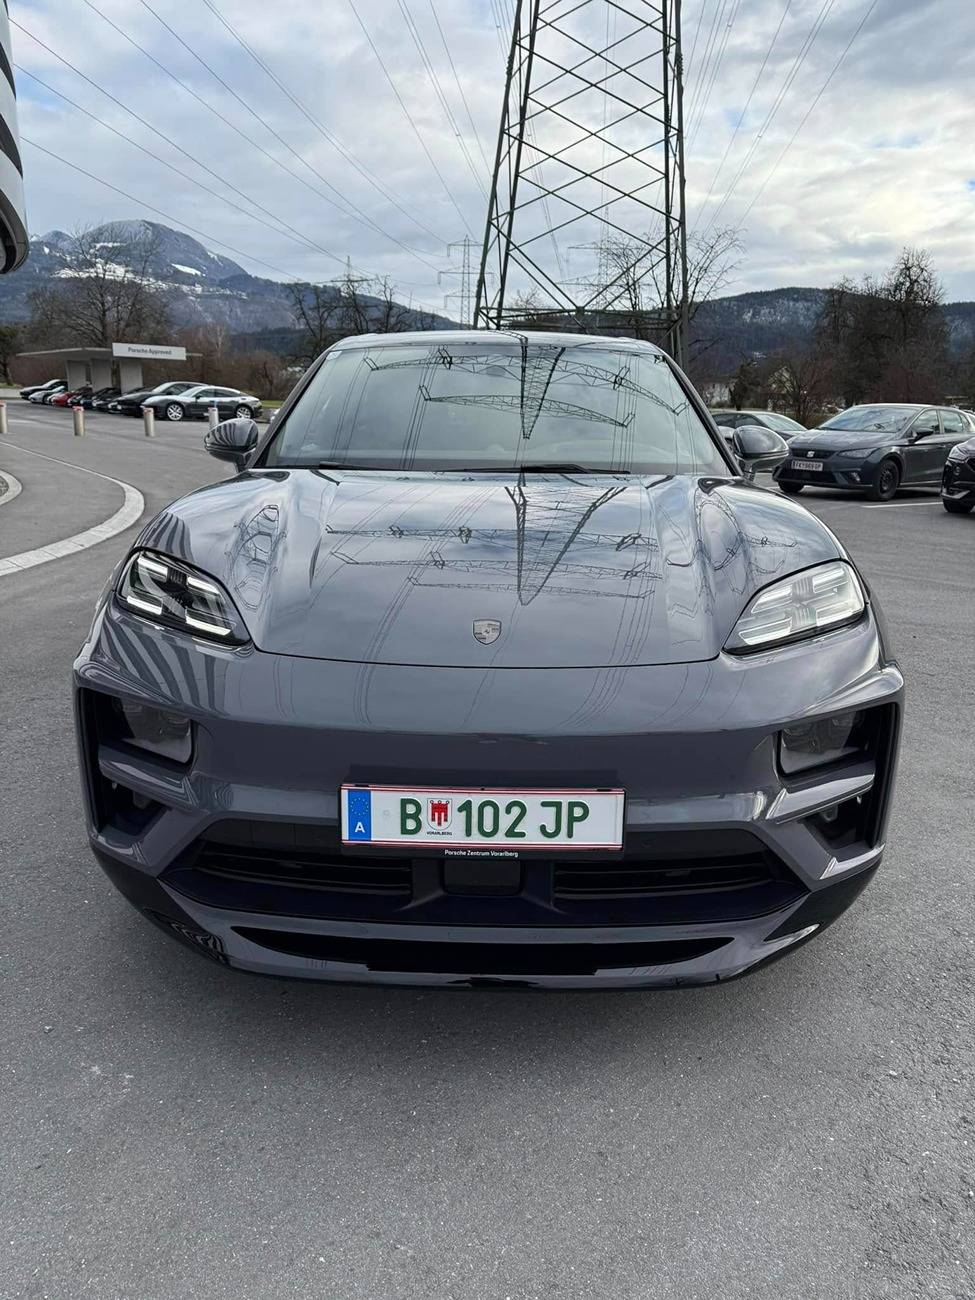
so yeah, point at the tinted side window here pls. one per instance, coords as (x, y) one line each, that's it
(952, 422)
(926, 423)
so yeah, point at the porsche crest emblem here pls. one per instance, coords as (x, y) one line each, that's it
(487, 630)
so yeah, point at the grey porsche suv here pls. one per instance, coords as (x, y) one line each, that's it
(490, 664)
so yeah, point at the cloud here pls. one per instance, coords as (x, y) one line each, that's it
(885, 158)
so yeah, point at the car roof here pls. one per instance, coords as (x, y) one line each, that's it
(446, 337)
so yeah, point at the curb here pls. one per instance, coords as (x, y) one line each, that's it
(132, 509)
(13, 487)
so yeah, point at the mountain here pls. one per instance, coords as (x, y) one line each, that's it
(726, 330)
(205, 288)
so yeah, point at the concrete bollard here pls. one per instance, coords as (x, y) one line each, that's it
(214, 415)
(3, 419)
(149, 421)
(79, 421)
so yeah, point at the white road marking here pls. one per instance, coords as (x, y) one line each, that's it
(899, 505)
(131, 509)
(14, 487)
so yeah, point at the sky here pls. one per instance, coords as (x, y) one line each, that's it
(827, 133)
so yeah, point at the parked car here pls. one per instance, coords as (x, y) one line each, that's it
(131, 403)
(781, 424)
(958, 477)
(104, 398)
(194, 403)
(478, 678)
(27, 393)
(43, 395)
(67, 398)
(88, 400)
(875, 449)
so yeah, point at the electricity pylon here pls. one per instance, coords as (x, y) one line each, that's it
(590, 149)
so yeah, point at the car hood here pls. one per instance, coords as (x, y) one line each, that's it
(588, 571)
(136, 395)
(841, 439)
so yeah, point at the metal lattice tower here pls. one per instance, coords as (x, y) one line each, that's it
(590, 154)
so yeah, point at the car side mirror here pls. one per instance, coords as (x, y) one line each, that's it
(758, 448)
(233, 440)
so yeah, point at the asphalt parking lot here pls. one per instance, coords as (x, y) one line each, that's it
(174, 1129)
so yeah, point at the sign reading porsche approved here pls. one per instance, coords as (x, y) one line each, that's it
(513, 819)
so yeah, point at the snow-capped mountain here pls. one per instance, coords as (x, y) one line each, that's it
(205, 288)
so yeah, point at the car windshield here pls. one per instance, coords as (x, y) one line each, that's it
(497, 406)
(872, 417)
(782, 422)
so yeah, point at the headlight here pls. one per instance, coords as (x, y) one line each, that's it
(854, 453)
(959, 453)
(811, 602)
(171, 593)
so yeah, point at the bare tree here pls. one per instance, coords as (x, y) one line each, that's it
(10, 343)
(324, 313)
(801, 381)
(107, 293)
(886, 339)
(636, 287)
(316, 310)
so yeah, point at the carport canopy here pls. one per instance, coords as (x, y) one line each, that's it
(94, 365)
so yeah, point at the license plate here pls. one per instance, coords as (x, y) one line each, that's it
(494, 819)
(807, 464)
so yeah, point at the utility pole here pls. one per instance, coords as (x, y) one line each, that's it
(465, 293)
(594, 96)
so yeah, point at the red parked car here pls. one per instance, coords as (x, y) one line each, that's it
(72, 395)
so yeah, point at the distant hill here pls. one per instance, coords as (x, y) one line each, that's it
(205, 288)
(726, 330)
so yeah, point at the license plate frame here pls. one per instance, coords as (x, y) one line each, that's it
(815, 466)
(461, 834)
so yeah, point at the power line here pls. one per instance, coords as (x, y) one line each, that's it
(697, 33)
(709, 46)
(805, 117)
(460, 88)
(726, 34)
(409, 116)
(296, 234)
(438, 91)
(349, 211)
(329, 136)
(741, 115)
(770, 116)
(181, 225)
(156, 131)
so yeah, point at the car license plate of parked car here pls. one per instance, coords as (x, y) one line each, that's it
(506, 819)
(807, 464)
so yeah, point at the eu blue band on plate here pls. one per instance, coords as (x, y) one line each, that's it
(359, 811)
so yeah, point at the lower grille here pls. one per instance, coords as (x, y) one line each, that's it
(306, 856)
(480, 958)
(678, 876)
(664, 878)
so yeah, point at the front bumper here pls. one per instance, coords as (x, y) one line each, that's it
(958, 480)
(836, 473)
(726, 863)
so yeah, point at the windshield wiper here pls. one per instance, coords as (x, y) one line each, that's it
(559, 467)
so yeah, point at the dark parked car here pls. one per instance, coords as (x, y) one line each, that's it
(781, 424)
(489, 665)
(51, 385)
(97, 400)
(131, 403)
(194, 403)
(876, 449)
(104, 399)
(958, 478)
